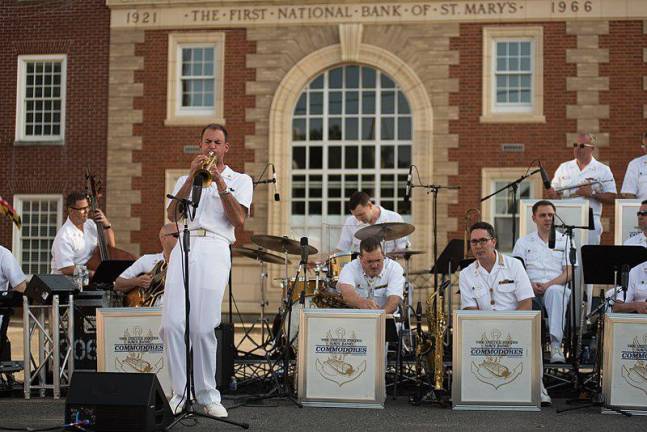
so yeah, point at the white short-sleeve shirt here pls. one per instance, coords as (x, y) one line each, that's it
(144, 264)
(542, 263)
(637, 287)
(349, 243)
(505, 286)
(636, 240)
(635, 181)
(11, 275)
(569, 174)
(389, 282)
(72, 246)
(210, 214)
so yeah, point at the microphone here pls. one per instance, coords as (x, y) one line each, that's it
(304, 250)
(544, 177)
(552, 235)
(196, 191)
(407, 191)
(277, 197)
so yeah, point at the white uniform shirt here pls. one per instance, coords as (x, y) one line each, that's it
(210, 214)
(637, 287)
(349, 243)
(635, 181)
(542, 263)
(144, 264)
(569, 174)
(10, 272)
(72, 246)
(389, 282)
(506, 285)
(636, 240)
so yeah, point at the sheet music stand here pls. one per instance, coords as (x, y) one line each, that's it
(108, 271)
(600, 263)
(450, 258)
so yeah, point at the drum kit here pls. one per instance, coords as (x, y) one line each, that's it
(318, 276)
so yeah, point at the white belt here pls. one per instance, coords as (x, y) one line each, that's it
(201, 232)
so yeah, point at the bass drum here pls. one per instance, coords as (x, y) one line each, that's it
(279, 329)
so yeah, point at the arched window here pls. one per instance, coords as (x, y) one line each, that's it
(351, 130)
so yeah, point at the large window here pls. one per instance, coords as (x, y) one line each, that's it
(351, 130)
(40, 115)
(513, 74)
(195, 82)
(41, 215)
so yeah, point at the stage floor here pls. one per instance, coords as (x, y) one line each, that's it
(398, 415)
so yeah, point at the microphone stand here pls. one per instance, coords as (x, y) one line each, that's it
(189, 411)
(515, 187)
(433, 190)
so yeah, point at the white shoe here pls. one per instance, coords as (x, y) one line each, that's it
(177, 404)
(215, 409)
(545, 398)
(557, 355)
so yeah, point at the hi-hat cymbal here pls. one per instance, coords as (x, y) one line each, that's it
(386, 231)
(281, 244)
(404, 253)
(258, 255)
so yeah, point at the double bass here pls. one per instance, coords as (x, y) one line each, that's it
(103, 252)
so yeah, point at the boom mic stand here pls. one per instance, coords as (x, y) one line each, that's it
(189, 411)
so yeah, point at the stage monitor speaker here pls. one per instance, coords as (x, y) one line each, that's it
(224, 355)
(117, 402)
(41, 288)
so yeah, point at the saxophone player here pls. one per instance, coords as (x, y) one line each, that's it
(138, 275)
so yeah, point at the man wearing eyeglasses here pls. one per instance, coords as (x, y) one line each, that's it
(76, 240)
(635, 182)
(494, 282)
(549, 272)
(139, 274)
(640, 239)
(585, 178)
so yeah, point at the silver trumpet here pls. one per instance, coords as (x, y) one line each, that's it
(592, 183)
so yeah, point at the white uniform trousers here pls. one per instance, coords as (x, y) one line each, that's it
(209, 265)
(555, 300)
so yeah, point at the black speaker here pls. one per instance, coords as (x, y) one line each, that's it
(224, 355)
(41, 288)
(117, 402)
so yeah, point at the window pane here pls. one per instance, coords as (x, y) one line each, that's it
(368, 102)
(368, 157)
(299, 158)
(299, 129)
(334, 102)
(316, 129)
(300, 109)
(352, 76)
(368, 77)
(388, 102)
(352, 159)
(335, 78)
(404, 128)
(352, 102)
(334, 128)
(352, 128)
(315, 159)
(368, 128)
(388, 125)
(388, 157)
(334, 157)
(316, 103)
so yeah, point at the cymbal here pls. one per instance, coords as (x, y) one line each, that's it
(404, 253)
(258, 255)
(386, 231)
(281, 244)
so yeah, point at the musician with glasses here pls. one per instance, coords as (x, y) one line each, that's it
(639, 239)
(635, 182)
(77, 239)
(635, 299)
(140, 273)
(494, 282)
(585, 178)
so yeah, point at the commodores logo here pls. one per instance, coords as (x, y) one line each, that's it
(134, 350)
(496, 368)
(346, 359)
(636, 374)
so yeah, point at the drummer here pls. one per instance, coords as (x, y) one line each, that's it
(365, 213)
(372, 281)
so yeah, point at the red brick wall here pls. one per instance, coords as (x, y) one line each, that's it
(79, 29)
(479, 144)
(163, 146)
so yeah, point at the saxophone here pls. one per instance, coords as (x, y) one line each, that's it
(437, 322)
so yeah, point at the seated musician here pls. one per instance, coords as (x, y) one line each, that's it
(372, 281)
(76, 240)
(139, 274)
(635, 300)
(11, 276)
(640, 239)
(494, 282)
(365, 213)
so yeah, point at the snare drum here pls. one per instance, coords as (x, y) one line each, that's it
(310, 288)
(337, 262)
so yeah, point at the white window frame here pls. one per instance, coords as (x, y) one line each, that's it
(176, 115)
(508, 174)
(21, 138)
(18, 204)
(171, 177)
(522, 113)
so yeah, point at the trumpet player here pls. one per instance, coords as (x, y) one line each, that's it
(585, 178)
(224, 203)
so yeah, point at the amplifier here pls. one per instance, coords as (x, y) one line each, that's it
(41, 288)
